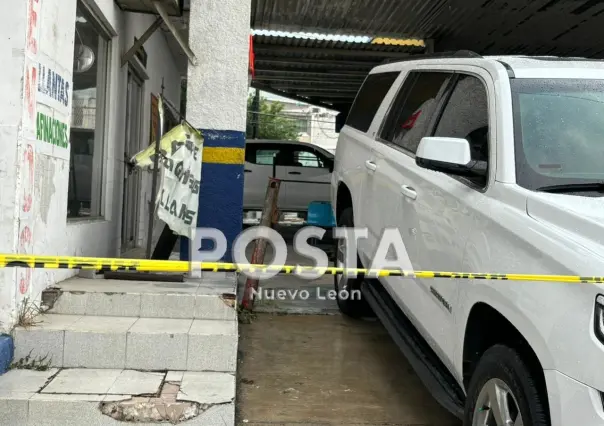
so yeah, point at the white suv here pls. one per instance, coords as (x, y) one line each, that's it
(485, 164)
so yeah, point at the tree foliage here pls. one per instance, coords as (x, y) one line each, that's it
(271, 121)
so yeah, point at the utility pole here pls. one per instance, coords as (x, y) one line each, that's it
(255, 114)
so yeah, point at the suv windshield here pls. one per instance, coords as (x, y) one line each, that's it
(559, 131)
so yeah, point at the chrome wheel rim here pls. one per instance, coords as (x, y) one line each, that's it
(496, 406)
(341, 280)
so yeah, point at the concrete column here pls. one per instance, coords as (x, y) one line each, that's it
(216, 103)
(36, 77)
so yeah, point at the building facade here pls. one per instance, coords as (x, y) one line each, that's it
(316, 125)
(72, 116)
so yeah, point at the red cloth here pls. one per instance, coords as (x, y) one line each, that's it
(252, 57)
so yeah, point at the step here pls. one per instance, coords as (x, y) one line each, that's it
(202, 300)
(128, 342)
(109, 397)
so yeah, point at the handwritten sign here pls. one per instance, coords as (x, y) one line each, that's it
(180, 161)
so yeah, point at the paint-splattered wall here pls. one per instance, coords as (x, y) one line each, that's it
(35, 117)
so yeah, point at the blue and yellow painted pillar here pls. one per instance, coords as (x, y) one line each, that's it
(217, 91)
(221, 192)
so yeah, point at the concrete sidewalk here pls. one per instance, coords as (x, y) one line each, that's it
(111, 351)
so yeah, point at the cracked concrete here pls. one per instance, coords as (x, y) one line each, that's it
(165, 407)
(113, 397)
(173, 404)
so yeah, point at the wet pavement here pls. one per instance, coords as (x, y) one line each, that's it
(328, 370)
(322, 368)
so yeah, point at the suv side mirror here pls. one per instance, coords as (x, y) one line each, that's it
(449, 155)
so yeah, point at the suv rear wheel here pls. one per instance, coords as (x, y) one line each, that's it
(350, 306)
(502, 391)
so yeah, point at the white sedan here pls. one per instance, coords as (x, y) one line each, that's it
(305, 171)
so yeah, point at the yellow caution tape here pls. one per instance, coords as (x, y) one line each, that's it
(146, 265)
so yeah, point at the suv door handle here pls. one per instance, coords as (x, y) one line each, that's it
(371, 165)
(294, 173)
(408, 192)
(248, 171)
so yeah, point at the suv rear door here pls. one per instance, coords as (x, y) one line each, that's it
(355, 145)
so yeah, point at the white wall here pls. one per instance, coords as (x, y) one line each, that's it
(51, 233)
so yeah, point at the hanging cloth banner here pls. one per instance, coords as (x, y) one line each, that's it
(180, 160)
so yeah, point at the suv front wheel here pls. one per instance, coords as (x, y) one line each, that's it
(344, 286)
(502, 391)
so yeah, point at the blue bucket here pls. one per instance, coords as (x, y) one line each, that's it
(320, 214)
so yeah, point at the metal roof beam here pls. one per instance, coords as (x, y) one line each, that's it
(175, 32)
(326, 62)
(327, 73)
(316, 89)
(328, 51)
(141, 41)
(293, 79)
(165, 18)
(328, 95)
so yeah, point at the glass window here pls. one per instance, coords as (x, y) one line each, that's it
(88, 117)
(369, 99)
(559, 129)
(413, 108)
(263, 154)
(266, 156)
(304, 158)
(466, 116)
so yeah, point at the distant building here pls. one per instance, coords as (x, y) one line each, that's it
(316, 125)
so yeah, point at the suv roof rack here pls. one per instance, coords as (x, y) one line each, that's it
(436, 55)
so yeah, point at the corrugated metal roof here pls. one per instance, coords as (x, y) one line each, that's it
(490, 27)
(262, 40)
(486, 26)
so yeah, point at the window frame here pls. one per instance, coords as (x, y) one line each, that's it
(439, 109)
(437, 116)
(396, 74)
(98, 191)
(445, 88)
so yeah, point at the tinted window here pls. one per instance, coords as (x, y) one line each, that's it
(369, 99)
(466, 115)
(412, 109)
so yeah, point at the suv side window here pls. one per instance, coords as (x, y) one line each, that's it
(369, 99)
(415, 103)
(466, 115)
